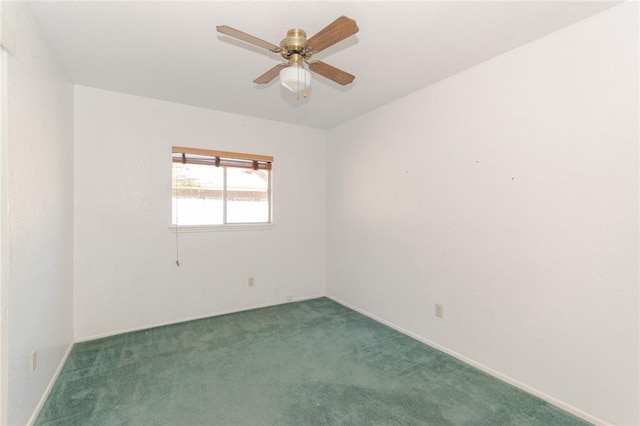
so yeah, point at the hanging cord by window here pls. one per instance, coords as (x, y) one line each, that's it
(175, 189)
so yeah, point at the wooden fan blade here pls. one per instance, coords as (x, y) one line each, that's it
(331, 72)
(336, 31)
(248, 38)
(270, 75)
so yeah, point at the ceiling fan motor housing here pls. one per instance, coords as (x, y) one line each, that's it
(293, 46)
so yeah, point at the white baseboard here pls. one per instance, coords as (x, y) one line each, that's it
(47, 391)
(522, 386)
(178, 321)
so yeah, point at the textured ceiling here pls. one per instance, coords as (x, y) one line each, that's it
(171, 50)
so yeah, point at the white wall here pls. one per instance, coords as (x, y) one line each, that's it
(4, 290)
(125, 272)
(508, 193)
(39, 221)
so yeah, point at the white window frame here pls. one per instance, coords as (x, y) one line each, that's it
(258, 226)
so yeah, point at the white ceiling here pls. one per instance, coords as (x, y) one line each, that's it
(171, 50)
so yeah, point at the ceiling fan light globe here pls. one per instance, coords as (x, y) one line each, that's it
(295, 78)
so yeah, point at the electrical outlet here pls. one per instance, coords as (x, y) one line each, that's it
(438, 310)
(252, 281)
(34, 361)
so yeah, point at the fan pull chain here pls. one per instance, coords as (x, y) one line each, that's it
(305, 86)
(304, 93)
(298, 83)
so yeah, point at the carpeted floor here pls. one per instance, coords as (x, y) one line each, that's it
(306, 363)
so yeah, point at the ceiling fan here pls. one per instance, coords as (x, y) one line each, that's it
(297, 50)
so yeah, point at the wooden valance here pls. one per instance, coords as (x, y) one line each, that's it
(210, 157)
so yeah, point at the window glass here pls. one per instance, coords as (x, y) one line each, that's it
(219, 187)
(198, 192)
(247, 195)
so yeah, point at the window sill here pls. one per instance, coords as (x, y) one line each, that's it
(219, 228)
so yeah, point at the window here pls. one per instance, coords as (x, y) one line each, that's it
(220, 188)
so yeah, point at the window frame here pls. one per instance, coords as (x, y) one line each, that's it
(226, 160)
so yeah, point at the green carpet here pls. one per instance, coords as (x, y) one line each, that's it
(306, 363)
